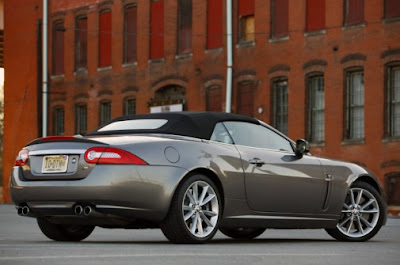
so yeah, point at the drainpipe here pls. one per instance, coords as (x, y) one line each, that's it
(229, 56)
(44, 69)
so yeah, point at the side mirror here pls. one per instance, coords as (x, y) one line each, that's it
(302, 147)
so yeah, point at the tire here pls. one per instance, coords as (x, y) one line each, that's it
(194, 213)
(242, 233)
(363, 214)
(60, 232)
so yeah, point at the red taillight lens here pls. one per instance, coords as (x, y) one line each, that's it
(22, 158)
(111, 155)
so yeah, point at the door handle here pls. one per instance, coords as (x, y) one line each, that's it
(256, 161)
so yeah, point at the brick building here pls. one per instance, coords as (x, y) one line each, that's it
(327, 71)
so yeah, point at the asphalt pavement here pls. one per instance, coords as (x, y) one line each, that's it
(21, 242)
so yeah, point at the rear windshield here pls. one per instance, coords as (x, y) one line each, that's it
(142, 124)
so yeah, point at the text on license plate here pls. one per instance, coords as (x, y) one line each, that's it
(55, 164)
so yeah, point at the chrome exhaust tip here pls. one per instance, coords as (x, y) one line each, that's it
(25, 210)
(19, 210)
(87, 210)
(78, 210)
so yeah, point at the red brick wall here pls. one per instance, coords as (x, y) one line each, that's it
(258, 62)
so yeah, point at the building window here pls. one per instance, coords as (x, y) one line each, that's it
(393, 101)
(354, 105)
(130, 33)
(105, 38)
(280, 105)
(354, 12)
(316, 108)
(184, 26)
(129, 106)
(81, 43)
(157, 30)
(246, 21)
(214, 99)
(279, 18)
(58, 121)
(392, 8)
(246, 98)
(104, 112)
(58, 47)
(80, 119)
(214, 23)
(392, 181)
(315, 15)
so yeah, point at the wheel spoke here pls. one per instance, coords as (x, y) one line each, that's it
(210, 213)
(187, 208)
(359, 197)
(365, 221)
(208, 199)
(205, 219)
(200, 226)
(352, 197)
(194, 224)
(369, 211)
(195, 189)
(345, 221)
(203, 194)
(190, 196)
(188, 215)
(360, 225)
(350, 224)
(371, 201)
(346, 206)
(346, 211)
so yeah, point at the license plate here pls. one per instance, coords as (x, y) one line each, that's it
(55, 164)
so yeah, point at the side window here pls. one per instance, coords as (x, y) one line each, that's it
(254, 135)
(220, 134)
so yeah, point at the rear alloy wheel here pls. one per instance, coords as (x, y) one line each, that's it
(242, 232)
(59, 232)
(362, 215)
(194, 213)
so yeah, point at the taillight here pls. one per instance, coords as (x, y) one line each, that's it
(111, 155)
(22, 158)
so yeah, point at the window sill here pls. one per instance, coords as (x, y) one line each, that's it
(315, 33)
(105, 68)
(354, 26)
(57, 77)
(244, 44)
(389, 139)
(317, 144)
(281, 39)
(390, 20)
(124, 65)
(353, 142)
(156, 60)
(183, 56)
(81, 71)
(215, 50)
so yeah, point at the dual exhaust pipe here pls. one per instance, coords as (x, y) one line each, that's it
(78, 210)
(84, 210)
(23, 210)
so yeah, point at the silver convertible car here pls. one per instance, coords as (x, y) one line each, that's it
(190, 174)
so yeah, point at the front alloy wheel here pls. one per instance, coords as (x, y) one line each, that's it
(362, 215)
(194, 213)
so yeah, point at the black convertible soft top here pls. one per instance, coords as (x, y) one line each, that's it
(193, 124)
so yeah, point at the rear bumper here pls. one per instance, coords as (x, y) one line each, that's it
(140, 192)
